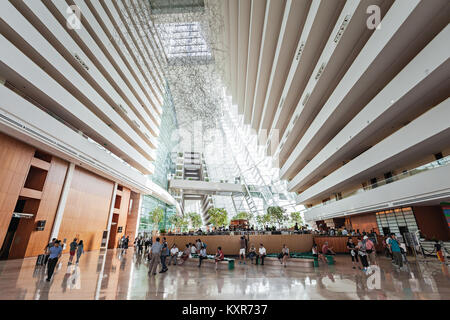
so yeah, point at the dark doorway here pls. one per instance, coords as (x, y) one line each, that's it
(13, 225)
(403, 230)
(6, 247)
(386, 231)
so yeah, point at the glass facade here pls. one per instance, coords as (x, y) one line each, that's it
(150, 203)
(167, 140)
(396, 221)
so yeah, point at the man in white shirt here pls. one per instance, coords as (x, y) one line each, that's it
(173, 254)
(261, 254)
(344, 232)
(193, 250)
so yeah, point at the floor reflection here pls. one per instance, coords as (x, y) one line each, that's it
(112, 275)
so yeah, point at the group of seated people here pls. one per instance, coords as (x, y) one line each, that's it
(199, 248)
(261, 254)
(344, 232)
(252, 228)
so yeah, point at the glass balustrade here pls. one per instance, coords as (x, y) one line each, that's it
(408, 173)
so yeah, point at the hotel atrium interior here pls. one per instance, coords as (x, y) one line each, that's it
(288, 125)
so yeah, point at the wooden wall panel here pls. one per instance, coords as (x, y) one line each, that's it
(113, 239)
(15, 159)
(231, 244)
(24, 231)
(364, 222)
(338, 244)
(87, 209)
(432, 223)
(48, 206)
(123, 212)
(132, 220)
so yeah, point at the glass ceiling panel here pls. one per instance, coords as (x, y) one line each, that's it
(183, 40)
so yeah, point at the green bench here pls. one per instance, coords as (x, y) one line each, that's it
(330, 258)
(306, 255)
(230, 261)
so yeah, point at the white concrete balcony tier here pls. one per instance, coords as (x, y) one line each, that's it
(431, 186)
(88, 92)
(203, 187)
(426, 72)
(419, 138)
(24, 121)
(41, 87)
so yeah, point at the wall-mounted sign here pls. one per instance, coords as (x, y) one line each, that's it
(119, 229)
(40, 225)
(23, 215)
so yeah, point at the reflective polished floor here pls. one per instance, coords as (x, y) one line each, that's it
(110, 275)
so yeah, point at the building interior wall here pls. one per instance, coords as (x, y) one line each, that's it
(364, 222)
(133, 214)
(15, 159)
(120, 217)
(431, 222)
(87, 209)
(48, 206)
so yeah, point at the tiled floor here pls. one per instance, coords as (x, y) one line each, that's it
(112, 276)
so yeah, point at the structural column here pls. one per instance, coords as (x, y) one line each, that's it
(111, 212)
(138, 214)
(62, 201)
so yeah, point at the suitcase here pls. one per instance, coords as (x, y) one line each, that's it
(40, 260)
(46, 258)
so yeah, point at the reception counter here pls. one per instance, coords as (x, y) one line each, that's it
(231, 243)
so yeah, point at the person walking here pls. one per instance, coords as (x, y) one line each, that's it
(202, 256)
(363, 254)
(147, 244)
(156, 256)
(122, 244)
(140, 245)
(261, 254)
(353, 252)
(127, 242)
(165, 252)
(387, 251)
(80, 250)
(173, 254)
(370, 249)
(54, 254)
(438, 249)
(242, 250)
(72, 250)
(394, 247)
(46, 250)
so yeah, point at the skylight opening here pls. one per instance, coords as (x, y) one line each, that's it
(184, 40)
